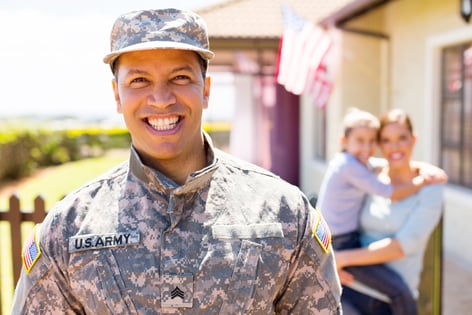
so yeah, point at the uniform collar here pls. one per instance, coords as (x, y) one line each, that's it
(155, 180)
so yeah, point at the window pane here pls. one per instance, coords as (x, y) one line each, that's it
(468, 62)
(451, 122)
(452, 79)
(467, 168)
(451, 96)
(467, 100)
(319, 122)
(451, 164)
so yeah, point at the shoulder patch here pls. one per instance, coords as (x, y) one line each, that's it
(31, 250)
(321, 232)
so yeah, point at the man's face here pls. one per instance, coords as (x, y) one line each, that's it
(161, 94)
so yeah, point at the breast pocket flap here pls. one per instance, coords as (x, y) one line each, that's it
(249, 231)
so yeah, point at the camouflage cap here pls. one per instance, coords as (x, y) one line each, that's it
(159, 29)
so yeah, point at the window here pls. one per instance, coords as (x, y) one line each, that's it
(319, 134)
(456, 114)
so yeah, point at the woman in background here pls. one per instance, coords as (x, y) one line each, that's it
(392, 232)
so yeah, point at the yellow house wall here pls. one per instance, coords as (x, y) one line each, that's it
(411, 24)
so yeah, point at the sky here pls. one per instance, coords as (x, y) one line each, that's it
(51, 54)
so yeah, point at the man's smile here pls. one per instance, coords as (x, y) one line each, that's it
(161, 124)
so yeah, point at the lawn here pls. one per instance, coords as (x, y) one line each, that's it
(52, 184)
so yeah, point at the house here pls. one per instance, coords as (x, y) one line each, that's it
(415, 55)
(245, 36)
(411, 54)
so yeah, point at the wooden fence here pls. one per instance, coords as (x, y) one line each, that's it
(15, 216)
(429, 303)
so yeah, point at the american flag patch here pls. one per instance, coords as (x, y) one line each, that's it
(322, 233)
(31, 251)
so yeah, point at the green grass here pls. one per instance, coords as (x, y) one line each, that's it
(52, 184)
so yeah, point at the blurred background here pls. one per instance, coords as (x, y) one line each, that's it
(57, 107)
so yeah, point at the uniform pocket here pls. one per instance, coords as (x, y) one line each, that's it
(96, 277)
(117, 299)
(243, 281)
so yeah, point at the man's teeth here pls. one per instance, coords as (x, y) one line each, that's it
(163, 123)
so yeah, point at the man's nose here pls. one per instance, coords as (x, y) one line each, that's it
(161, 95)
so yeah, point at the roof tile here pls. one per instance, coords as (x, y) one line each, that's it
(261, 18)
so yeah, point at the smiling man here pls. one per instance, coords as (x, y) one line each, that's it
(180, 228)
(162, 94)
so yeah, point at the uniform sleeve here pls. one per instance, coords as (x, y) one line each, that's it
(42, 287)
(313, 285)
(423, 220)
(361, 177)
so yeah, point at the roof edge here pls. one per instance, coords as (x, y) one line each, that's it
(351, 11)
(216, 6)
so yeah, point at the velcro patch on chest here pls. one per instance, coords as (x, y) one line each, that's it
(99, 241)
(31, 250)
(321, 232)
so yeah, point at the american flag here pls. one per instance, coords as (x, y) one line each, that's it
(31, 251)
(302, 53)
(322, 233)
(320, 85)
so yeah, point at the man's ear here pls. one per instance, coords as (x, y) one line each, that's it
(206, 91)
(117, 96)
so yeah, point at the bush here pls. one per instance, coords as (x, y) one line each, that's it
(220, 133)
(15, 148)
(22, 151)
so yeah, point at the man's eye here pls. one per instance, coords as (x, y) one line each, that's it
(181, 78)
(138, 80)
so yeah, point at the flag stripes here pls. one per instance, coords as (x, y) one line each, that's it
(302, 56)
(31, 251)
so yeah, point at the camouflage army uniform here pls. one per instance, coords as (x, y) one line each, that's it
(234, 239)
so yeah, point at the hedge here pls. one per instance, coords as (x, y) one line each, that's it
(23, 150)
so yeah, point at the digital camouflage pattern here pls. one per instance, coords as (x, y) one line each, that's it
(158, 29)
(234, 239)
